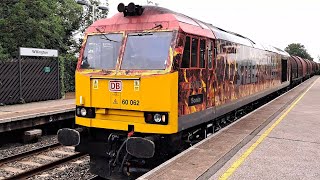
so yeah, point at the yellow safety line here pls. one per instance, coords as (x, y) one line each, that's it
(243, 157)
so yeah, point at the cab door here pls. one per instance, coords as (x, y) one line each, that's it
(210, 73)
(193, 76)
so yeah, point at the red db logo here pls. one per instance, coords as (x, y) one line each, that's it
(115, 86)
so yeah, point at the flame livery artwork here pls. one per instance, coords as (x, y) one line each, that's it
(149, 78)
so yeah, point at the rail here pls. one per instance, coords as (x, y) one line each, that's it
(22, 173)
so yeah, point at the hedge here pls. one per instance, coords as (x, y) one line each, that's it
(68, 64)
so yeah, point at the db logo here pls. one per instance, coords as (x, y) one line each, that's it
(115, 86)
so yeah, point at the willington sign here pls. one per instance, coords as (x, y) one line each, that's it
(38, 52)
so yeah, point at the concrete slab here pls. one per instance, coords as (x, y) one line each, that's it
(33, 132)
(303, 122)
(30, 163)
(50, 158)
(12, 169)
(281, 159)
(63, 152)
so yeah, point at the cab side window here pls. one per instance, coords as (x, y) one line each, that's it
(186, 54)
(202, 53)
(194, 52)
(210, 47)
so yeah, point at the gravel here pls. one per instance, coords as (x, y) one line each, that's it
(74, 170)
(68, 149)
(14, 149)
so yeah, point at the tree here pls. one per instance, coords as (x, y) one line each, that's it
(38, 23)
(45, 24)
(297, 49)
(87, 14)
(86, 19)
(3, 55)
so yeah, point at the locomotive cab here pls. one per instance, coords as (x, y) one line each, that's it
(123, 81)
(124, 87)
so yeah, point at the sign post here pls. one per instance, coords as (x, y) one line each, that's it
(38, 53)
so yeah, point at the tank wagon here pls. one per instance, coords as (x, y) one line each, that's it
(150, 80)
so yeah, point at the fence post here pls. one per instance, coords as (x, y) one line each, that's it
(20, 77)
(59, 93)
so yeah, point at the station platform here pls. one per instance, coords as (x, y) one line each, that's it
(280, 140)
(20, 116)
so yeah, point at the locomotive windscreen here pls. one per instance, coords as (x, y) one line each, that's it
(101, 51)
(147, 51)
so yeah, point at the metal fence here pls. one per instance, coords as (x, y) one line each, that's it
(34, 79)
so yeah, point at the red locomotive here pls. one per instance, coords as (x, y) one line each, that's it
(150, 80)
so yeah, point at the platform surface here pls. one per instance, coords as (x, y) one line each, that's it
(290, 151)
(31, 110)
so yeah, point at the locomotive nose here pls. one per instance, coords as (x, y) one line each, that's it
(68, 137)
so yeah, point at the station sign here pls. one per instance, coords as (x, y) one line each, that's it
(38, 52)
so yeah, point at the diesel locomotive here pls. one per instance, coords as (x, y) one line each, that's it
(150, 80)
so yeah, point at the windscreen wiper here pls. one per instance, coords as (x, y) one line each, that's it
(105, 36)
(158, 26)
(141, 34)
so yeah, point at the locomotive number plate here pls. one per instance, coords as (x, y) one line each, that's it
(115, 86)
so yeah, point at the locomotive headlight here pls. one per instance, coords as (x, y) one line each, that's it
(157, 118)
(86, 112)
(83, 112)
(78, 111)
(163, 118)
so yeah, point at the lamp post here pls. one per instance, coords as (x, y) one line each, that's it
(151, 2)
(93, 7)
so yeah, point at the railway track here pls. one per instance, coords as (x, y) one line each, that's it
(33, 162)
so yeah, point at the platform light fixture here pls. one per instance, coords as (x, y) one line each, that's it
(93, 7)
(151, 2)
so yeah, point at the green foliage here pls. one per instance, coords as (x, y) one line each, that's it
(88, 14)
(3, 54)
(68, 64)
(49, 24)
(297, 49)
(38, 23)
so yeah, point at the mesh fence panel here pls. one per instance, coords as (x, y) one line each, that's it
(39, 80)
(9, 82)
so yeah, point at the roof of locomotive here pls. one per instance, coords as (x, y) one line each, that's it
(170, 20)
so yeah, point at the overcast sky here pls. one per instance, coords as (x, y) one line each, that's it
(274, 22)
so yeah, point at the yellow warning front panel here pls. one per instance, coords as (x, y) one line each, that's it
(154, 93)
